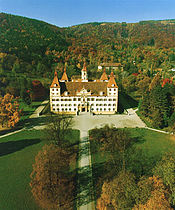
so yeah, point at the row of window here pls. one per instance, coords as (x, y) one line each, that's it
(114, 89)
(56, 89)
(105, 109)
(76, 104)
(88, 99)
(98, 109)
(64, 109)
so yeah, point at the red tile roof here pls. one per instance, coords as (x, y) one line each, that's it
(84, 67)
(111, 64)
(64, 77)
(112, 83)
(104, 76)
(94, 87)
(55, 82)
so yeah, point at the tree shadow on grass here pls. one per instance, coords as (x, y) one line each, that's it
(14, 146)
(32, 122)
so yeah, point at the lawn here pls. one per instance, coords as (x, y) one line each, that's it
(17, 154)
(28, 109)
(151, 145)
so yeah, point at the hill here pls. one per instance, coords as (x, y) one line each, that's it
(34, 48)
(25, 42)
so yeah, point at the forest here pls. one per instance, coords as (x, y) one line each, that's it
(31, 50)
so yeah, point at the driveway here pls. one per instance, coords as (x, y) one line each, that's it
(85, 121)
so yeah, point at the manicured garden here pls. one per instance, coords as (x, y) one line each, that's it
(17, 154)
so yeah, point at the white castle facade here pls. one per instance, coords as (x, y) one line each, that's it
(80, 95)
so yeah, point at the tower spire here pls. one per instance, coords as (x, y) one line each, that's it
(64, 77)
(84, 75)
(55, 82)
(104, 76)
(112, 82)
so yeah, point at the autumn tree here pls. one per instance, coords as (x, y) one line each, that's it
(165, 169)
(158, 196)
(51, 182)
(9, 111)
(119, 193)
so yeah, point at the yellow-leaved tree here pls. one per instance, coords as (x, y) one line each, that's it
(9, 111)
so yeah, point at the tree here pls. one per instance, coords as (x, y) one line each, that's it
(25, 95)
(119, 193)
(58, 126)
(51, 182)
(9, 110)
(115, 142)
(158, 196)
(165, 169)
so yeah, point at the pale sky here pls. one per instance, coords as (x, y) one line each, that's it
(73, 12)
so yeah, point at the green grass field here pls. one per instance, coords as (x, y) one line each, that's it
(28, 109)
(17, 154)
(151, 145)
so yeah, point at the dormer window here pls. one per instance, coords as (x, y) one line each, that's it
(112, 85)
(55, 85)
(101, 93)
(66, 93)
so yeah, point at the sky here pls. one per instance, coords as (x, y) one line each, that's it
(65, 13)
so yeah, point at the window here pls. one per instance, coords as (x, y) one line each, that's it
(109, 109)
(113, 104)
(70, 104)
(53, 99)
(114, 99)
(75, 109)
(104, 109)
(53, 104)
(65, 104)
(69, 109)
(57, 89)
(110, 99)
(53, 89)
(113, 109)
(88, 99)
(92, 99)
(74, 104)
(79, 99)
(97, 109)
(109, 104)
(65, 109)
(70, 99)
(100, 109)
(54, 109)
(62, 99)
(74, 99)
(57, 99)
(92, 109)
(62, 104)
(110, 89)
(57, 104)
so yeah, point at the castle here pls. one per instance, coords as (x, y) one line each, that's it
(80, 95)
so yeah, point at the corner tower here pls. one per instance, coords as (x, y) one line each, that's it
(112, 88)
